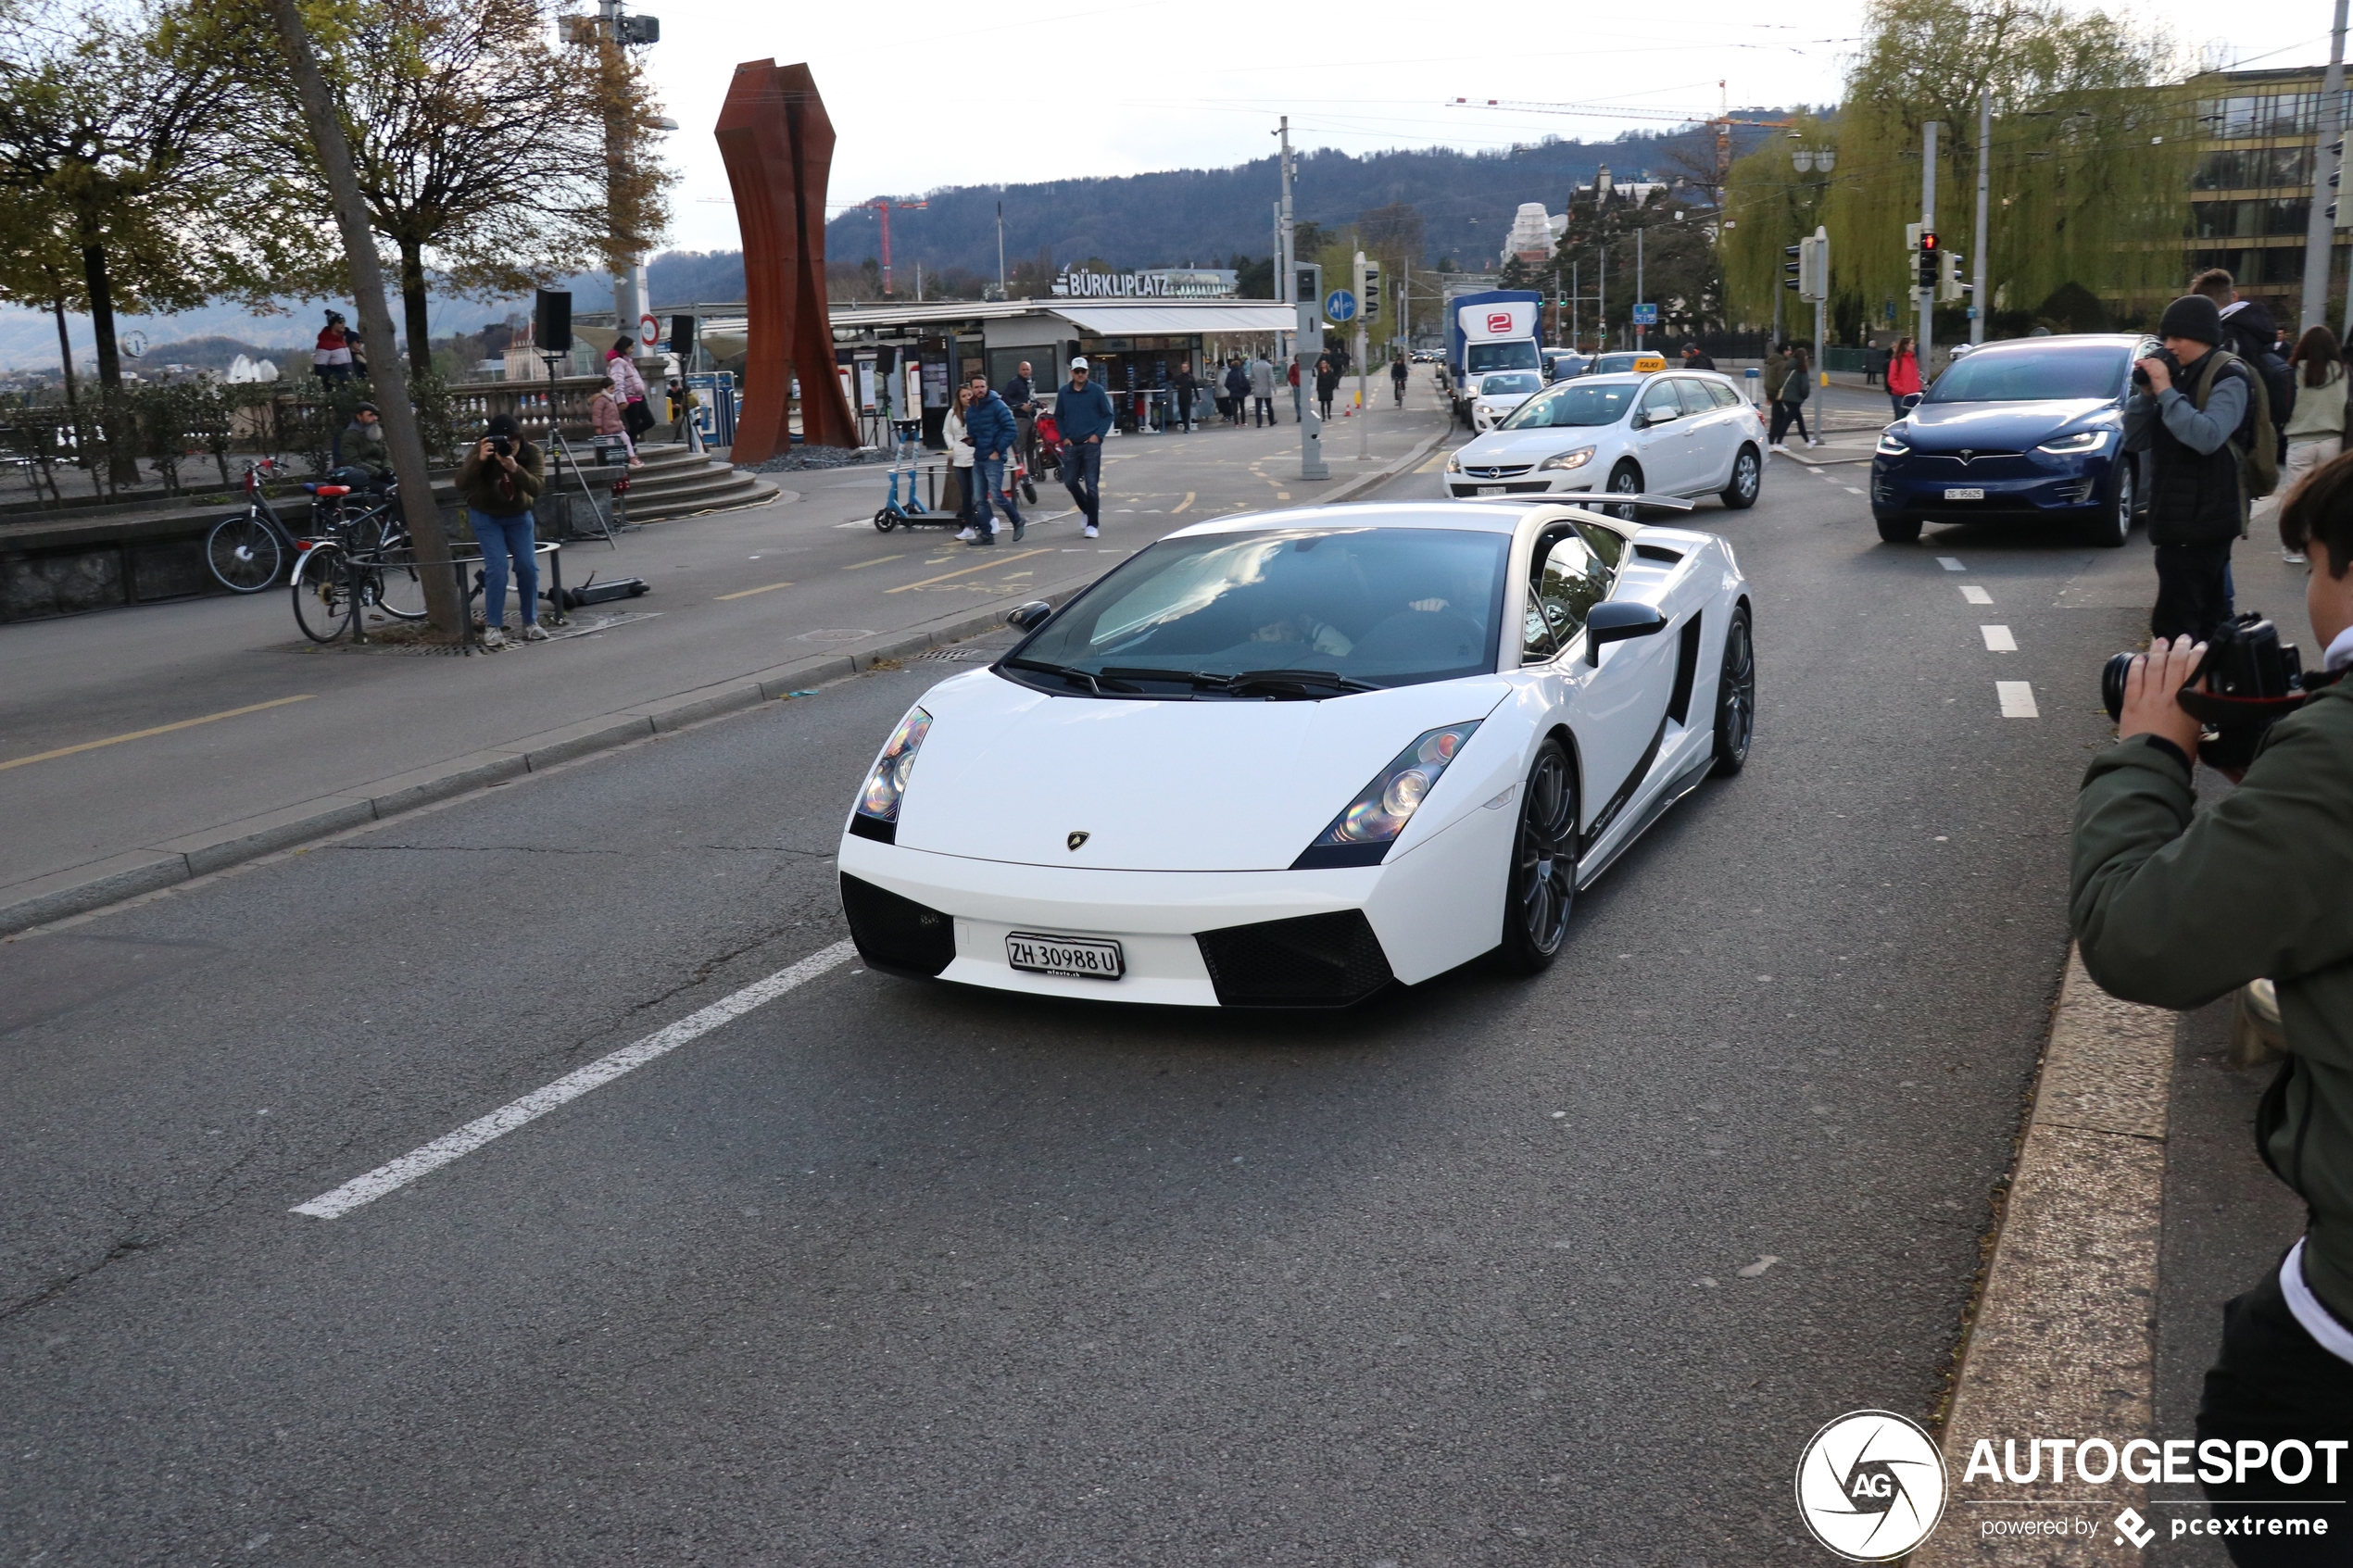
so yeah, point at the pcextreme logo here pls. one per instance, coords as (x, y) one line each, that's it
(1870, 1486)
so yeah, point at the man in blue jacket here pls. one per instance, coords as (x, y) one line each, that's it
(1083, 414)
(993, 430)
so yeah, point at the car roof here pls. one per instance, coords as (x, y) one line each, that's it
(2027, 345)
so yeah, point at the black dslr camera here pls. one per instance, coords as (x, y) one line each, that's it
(2141, 377)
(2248, 680)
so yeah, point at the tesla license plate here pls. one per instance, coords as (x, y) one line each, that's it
(1969, 495)
(1491, 490)
(1083, 958)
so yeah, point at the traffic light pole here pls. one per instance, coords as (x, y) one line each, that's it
(1822, 284)
(2320, 228)
(1927, 297)
(1307, 288)
(1978, 304)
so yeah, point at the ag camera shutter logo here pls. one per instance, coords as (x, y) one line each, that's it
(1870, 1486)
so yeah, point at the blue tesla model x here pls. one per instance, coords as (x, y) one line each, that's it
(2030, 428)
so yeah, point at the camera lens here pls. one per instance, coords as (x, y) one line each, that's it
(2112, 684)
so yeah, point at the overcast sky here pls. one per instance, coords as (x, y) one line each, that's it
(930, 94)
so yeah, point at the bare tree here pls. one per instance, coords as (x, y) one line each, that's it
(481, 148)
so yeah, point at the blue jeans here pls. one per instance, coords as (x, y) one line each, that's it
(1083, 473)
(991, 474)
(501, 538)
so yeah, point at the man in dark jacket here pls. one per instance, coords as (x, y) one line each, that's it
(361, 456)
(1694, 360)
(993, 430)
(2196, 427)
(1187, 386)
(2249, 331)
(2175, 908)
(1236, 392)
(1083, 412)
(1021, 397)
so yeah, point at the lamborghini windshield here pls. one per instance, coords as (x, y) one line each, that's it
(1288, 613)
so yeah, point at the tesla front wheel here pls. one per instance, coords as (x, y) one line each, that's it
(2114, 527)
(1735, 697)
(1899, 530)
(1543, 885)
(244, 554)
(1748, 478)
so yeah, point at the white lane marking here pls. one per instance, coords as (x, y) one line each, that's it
(572, 1086)
(2018, 699)
(1998, 639)
(1852, 491)
(1951, 563)
(1976, 595)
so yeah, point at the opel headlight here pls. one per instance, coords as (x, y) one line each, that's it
(1487, 408)
(1576, 459)
(1453, 462)
(1362, 834)
(1891, 445)
(886, 784)
(2075, 442)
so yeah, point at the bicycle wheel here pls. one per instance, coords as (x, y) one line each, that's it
(396, 587)
(322, 593)
(243, 553)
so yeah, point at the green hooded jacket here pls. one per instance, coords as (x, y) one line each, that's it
(2175, 908)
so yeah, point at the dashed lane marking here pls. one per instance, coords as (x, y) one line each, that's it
(2017, 698)
(1852, 491)
(1998, 639)
(1181, 505)
(1976, 595)
(746, 593)
(1951, 563)
(158, 730)
(571, 1086)
(983, 566)
(863, 565)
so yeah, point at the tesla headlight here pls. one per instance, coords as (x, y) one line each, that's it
(1891, 445)
(1576, 459)
(2075, 442)
(887, 785)
(1362, 834)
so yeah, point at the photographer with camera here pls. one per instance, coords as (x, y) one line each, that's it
(2175, 908)
(499, 481)
(2200, 412)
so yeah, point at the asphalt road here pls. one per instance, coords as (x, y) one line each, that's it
(881, 1273)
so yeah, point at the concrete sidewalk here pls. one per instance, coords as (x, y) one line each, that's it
(137, 751)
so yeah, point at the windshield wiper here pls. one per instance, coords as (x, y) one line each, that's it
(1296, 679)
(1075, 677)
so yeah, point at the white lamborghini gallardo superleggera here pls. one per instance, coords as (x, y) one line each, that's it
(1288, 759)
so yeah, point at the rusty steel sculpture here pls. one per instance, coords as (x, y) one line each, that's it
(778, 147)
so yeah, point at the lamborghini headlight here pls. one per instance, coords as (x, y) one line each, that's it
(1361, 835)
(887, 785)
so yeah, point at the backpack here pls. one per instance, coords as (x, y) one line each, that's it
(2259, 459)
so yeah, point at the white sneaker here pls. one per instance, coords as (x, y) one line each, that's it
(492, 637)
(1810, 442)
(535, 633)
(1090, 531)
(1782, 449)
(2293, 557)
(967, 536)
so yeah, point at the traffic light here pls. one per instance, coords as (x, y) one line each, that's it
(1926, 274)
(1368, 294)
(1949, 286)
(1794, 267)
(1809, 267)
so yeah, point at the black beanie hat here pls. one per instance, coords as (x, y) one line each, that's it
(504, 425)
(2192, 316)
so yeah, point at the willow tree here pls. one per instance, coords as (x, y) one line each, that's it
(2090, 155)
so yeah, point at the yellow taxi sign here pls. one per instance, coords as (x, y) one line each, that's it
(1650, 362)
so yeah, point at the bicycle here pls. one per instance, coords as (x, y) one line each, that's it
(365, 561)
(246, 550)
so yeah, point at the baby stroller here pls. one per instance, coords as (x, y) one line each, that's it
(1049, 461)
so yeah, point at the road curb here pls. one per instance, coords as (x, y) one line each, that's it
(2062, 1339)
(149, 868)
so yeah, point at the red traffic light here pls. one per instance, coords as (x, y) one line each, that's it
(1928, 240)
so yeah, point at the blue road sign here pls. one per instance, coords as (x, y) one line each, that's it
(1339, 306)
(1646, 315)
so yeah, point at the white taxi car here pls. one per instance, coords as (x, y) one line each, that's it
(1677, 432)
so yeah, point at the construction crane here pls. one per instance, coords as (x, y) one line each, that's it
(1722, 121)
(883, 206)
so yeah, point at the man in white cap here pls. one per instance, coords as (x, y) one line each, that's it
(1083, 414)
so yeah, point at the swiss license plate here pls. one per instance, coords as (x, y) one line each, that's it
(1084, 957)
(1972, 494)
(1491, 490)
